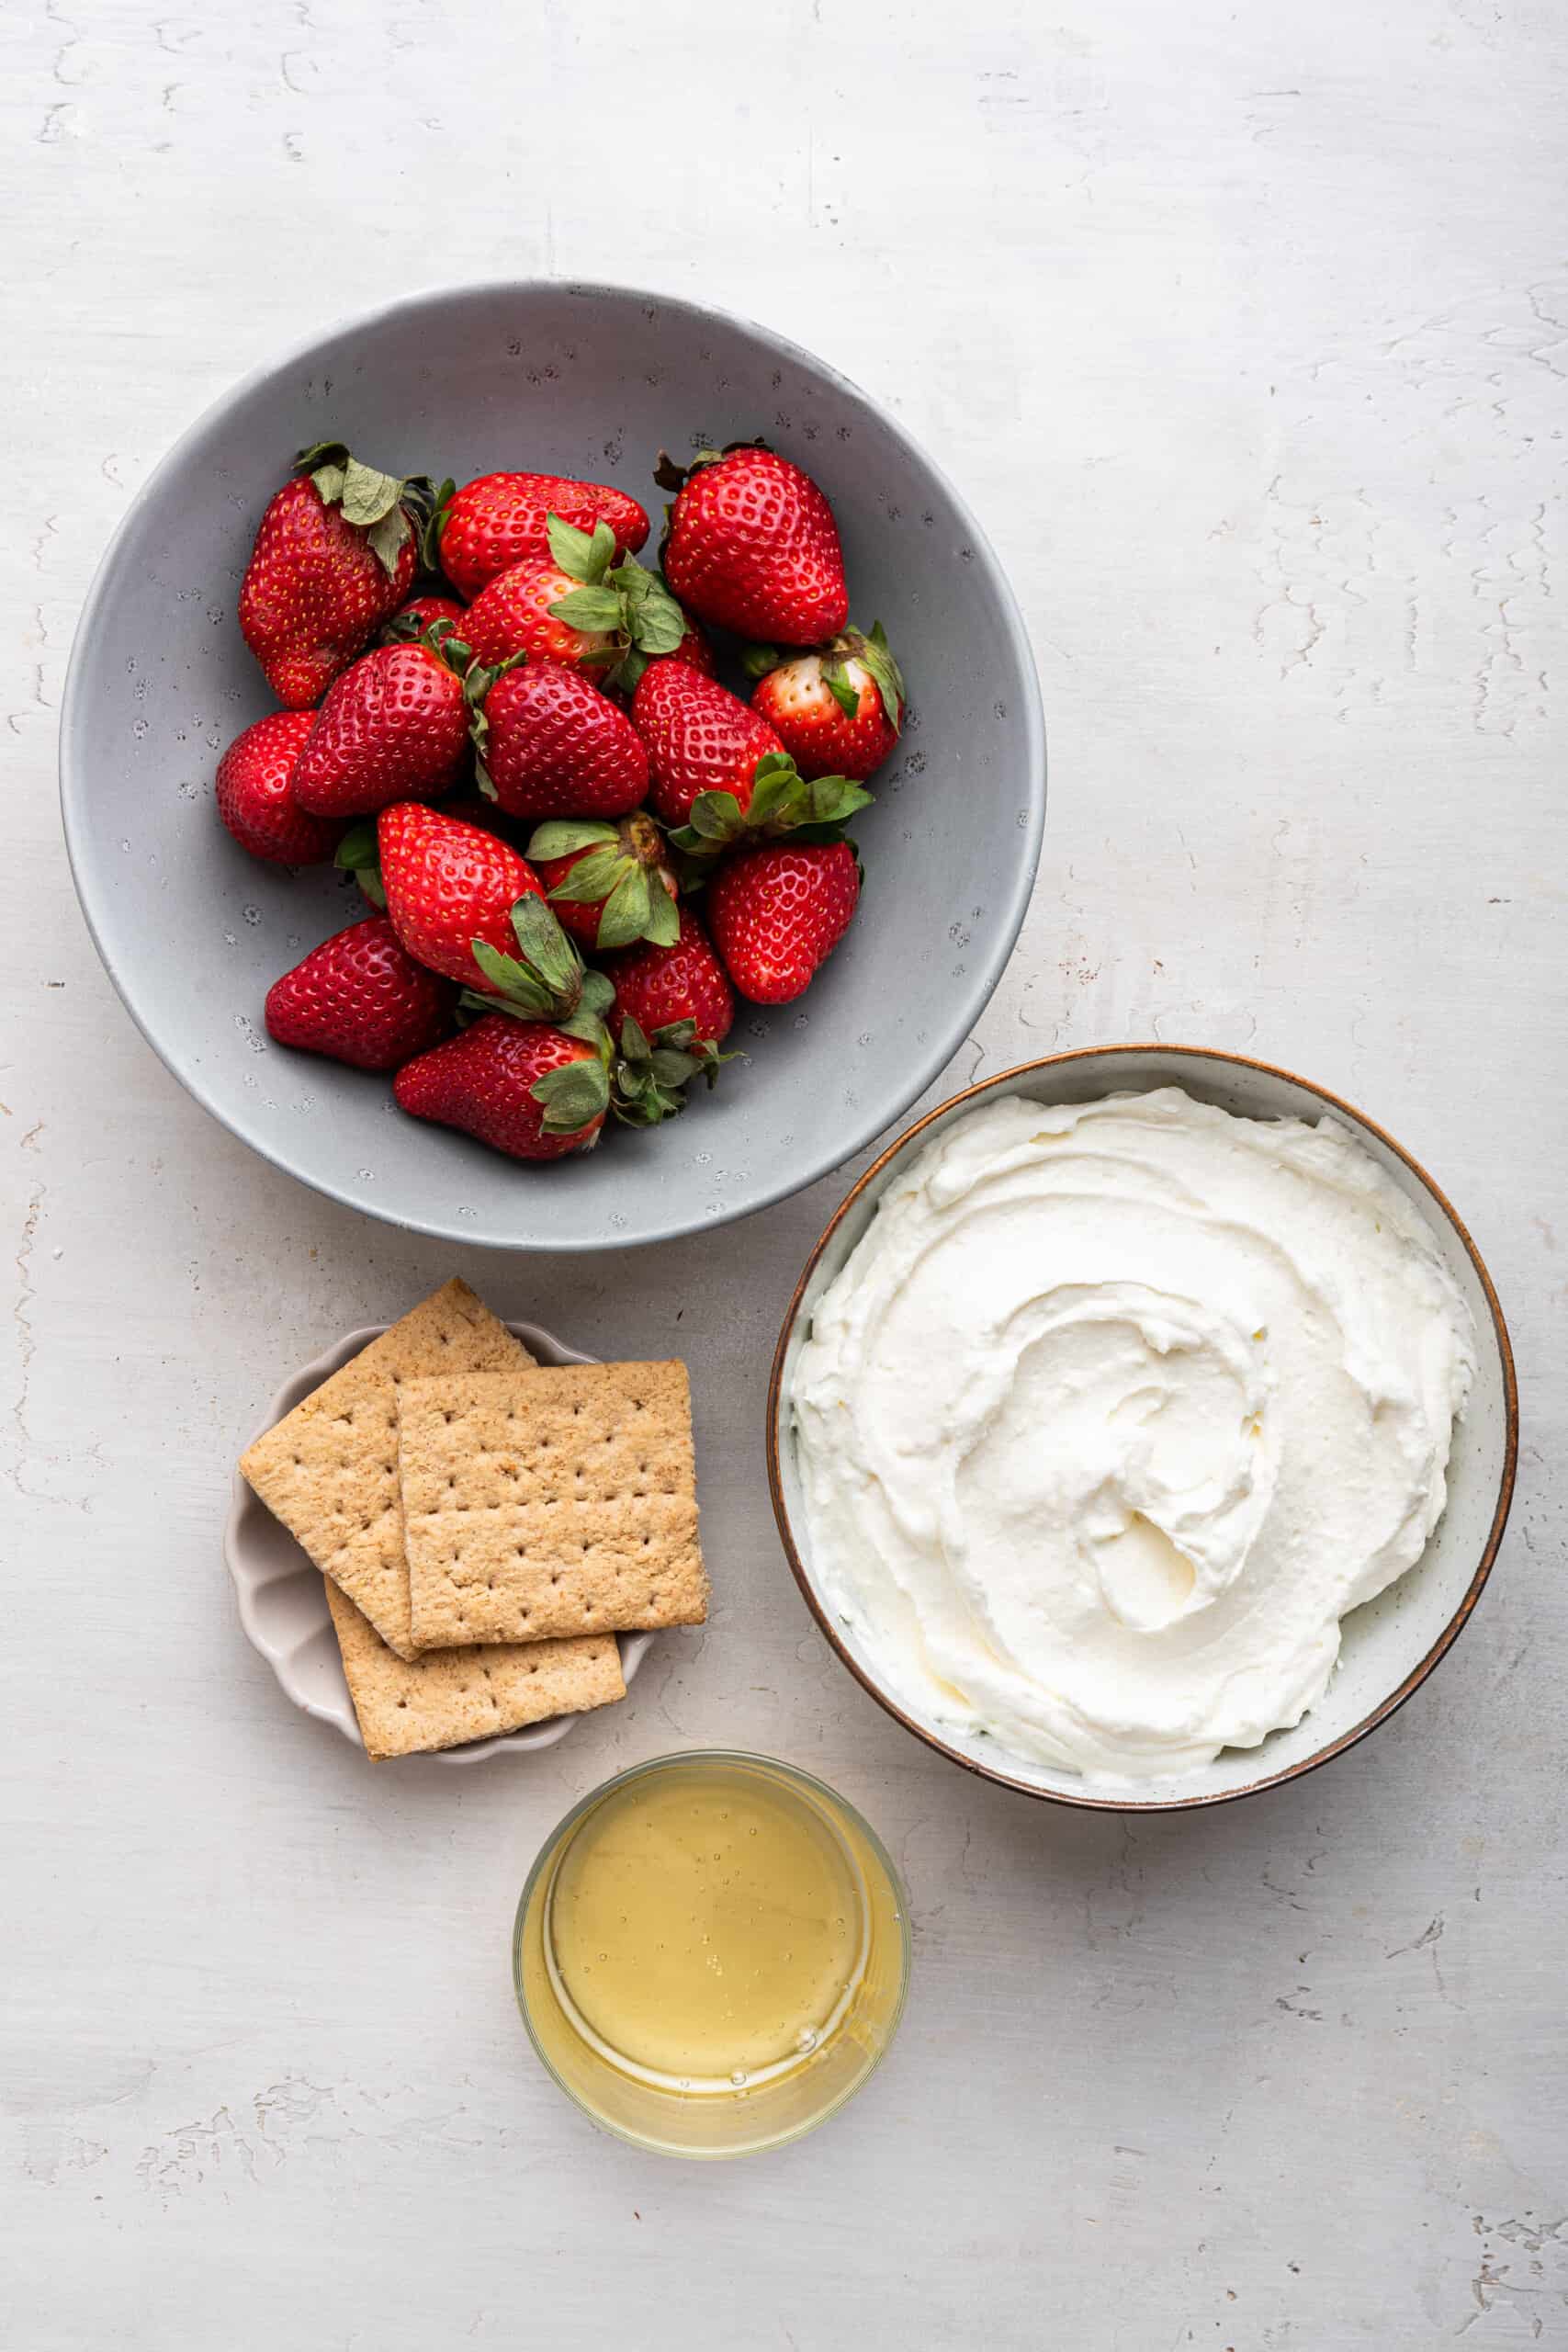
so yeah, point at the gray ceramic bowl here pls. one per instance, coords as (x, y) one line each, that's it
(1390, 1646)
(583, 379)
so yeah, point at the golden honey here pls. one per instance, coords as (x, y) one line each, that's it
(711, 1954)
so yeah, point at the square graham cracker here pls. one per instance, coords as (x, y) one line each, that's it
(409, 1706)
(329, 1470)
(560, 1501)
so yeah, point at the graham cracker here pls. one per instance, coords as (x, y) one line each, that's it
(408, 1706)
(329, 1470)
(560, 1501)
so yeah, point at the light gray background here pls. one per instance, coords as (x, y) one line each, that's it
(1246, 333)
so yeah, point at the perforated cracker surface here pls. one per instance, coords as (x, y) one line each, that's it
(408, 1706)
(559, 1501)
(329, 1470)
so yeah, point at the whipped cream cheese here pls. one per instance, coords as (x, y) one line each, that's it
(1115, 1411)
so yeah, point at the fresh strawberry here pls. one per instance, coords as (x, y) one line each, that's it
(551, 745)
(513, 616)
(335, 556)
(777, 913)
(683, 981)
(361, 998)
(673, 1007)
(609, 885)
(359, 852)
(700, 738)
(719, 772)
(836, 711)
(473, 910)
(484, 528)
(421, 612)
(752, 546)
(522, 1086)
(546, 991)
(450, 889)
(394, 727)
(576, 606)
(255, 793)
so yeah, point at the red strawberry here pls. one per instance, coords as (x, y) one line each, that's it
(752, 546)
(395, 727)
(719, 772)
(465, 904)
(255, 793)
(673, 1006)
(573, 607)
(523, 1086)
(837, 712)
(334, 557)
(777, 913)
(450, 889)
(551, 745)
(359, 854)
(361, 998)
(513, 616)
(489, 524)
(421, 612)
(700, 738)
(662, 985)
(609, 885)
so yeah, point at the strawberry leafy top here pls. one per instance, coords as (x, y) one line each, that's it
(650, 1075)
(783, 801)
(545, 981)
(620, 601)
(381, 506)
(620, 867)
(642, 1080)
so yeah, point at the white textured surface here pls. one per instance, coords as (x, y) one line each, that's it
(1246, 333)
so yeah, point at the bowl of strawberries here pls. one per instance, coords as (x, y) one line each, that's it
(552, 766)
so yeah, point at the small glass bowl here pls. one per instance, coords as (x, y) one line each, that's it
(769, 2113)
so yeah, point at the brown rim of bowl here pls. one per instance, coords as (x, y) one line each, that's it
(1418, 1674)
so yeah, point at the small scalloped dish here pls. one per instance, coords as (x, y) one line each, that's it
(282, 1600)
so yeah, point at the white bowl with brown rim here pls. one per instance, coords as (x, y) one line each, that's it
(1391, 1644)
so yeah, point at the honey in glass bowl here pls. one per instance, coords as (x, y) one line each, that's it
(711, 1954)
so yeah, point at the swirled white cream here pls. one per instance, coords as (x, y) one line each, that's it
(1112, 1414)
